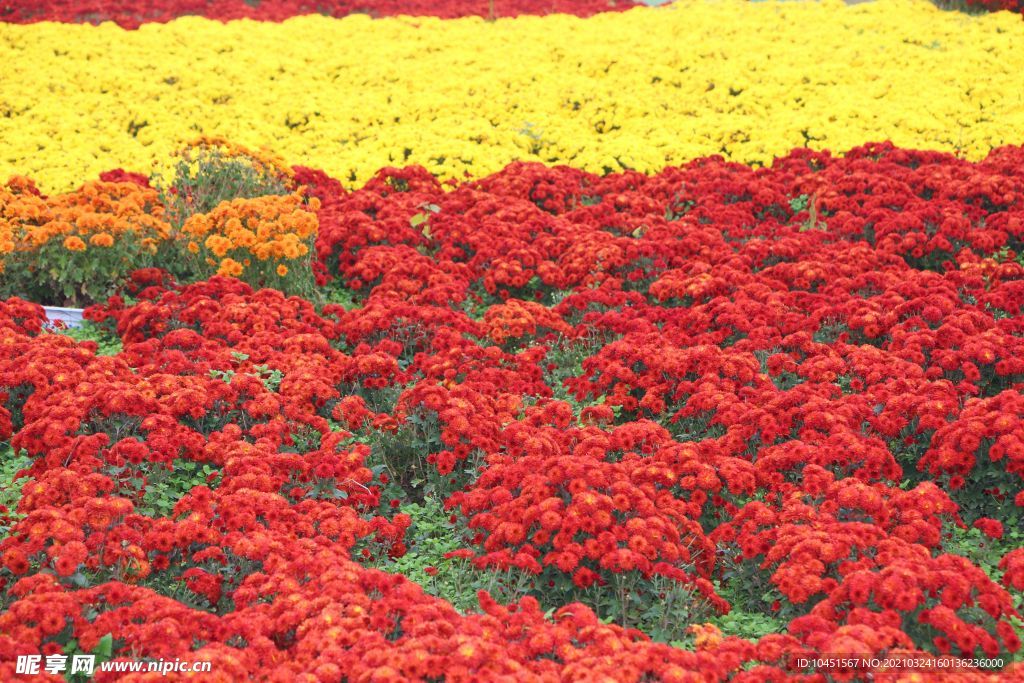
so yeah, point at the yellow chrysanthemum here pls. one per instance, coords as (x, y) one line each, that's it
(641, 89)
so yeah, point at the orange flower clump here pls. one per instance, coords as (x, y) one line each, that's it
(44, 241)
(265, 229)
(99, 213)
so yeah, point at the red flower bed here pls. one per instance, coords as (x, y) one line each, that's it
(783, 388)
(129, 14)
(132, 14)
(996, 5)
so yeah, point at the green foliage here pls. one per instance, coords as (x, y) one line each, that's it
(271, 377)
(103, 652)
(830, 331)
(798, 204)
(695, 428)
(564, 360)
(336, 293)
(972, 544)
(304, 439)
(10, 489)
(107, 343)
(162, 486)
(429, 538)
(678, 207)
(206, 176)
(813, 221)
(983, 551)
(53, 275)
(749, 625)
(1003, 256)
(745, 622)
(405, 455)
(746, 587)
(659, 606)
(986, 552)
(423, 218)
(975, 496)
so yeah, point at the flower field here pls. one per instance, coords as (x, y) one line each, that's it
(466, 350)
(639, 90)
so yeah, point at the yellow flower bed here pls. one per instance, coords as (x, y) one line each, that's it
(643, 89)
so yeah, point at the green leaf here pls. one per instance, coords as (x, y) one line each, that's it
(105, 648)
